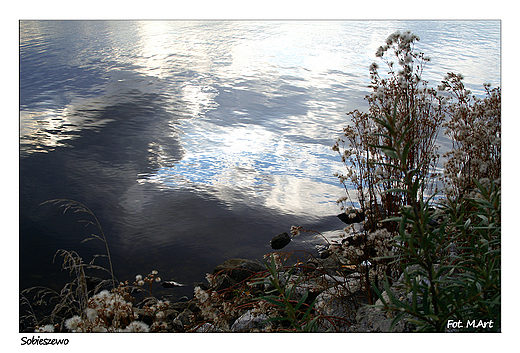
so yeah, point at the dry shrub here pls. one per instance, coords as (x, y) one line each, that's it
(475, 129)
(402, 90)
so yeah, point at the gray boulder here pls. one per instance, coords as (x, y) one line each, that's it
(249, 321)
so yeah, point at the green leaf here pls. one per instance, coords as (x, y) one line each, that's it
(386, 124)
(273, 300)
(426, 303)
(414, 295)
(302, 299)
(402, 225)
(288, 290)
(396, 320)
(392, 219)
(381, 135)
(379, 295)
(261, 281)
(311, 325)
(406, 150)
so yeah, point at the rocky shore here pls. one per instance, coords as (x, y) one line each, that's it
(326, 292)
(228, 300)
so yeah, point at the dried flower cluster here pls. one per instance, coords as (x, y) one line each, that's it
(358, 249)
(214, 308)
(472, 123)
(475, 129)
(222, 308)
(114, 311)
(107, 312)
(45, 328)
(150, 279)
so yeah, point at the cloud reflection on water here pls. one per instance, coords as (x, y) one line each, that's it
(264, 100)
(264, 122)
(195, 141)
(268, 169)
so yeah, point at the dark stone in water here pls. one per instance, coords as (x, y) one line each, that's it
(356, 216)
(202, 285)
(172, 284)
(280, 241)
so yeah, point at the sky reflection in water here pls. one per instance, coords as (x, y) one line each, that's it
(269, 109)
(153, 124)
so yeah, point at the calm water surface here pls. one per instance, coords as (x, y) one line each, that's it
(194, 142)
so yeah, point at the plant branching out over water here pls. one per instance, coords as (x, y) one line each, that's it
(404, 94)
(475, 130)
(418, 112)
(447, 250)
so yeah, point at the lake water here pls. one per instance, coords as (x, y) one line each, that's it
(194, 142)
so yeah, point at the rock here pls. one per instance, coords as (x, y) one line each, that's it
(182, 320)
(238, 269)
(334, 264)
(373, 319)
(202, 285)
(223, 282)
(376, 319)
(280, 241)
(248, 321)
(336, 304)
(180, 305)
(207, 328)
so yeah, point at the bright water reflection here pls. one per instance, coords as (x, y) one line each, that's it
(203, 139)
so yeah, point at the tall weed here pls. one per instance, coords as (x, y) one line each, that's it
(446, 241)
(451, 257)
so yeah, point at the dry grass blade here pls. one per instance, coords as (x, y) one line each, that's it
(76, 207)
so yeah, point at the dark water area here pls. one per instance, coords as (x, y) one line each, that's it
(195, 142)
